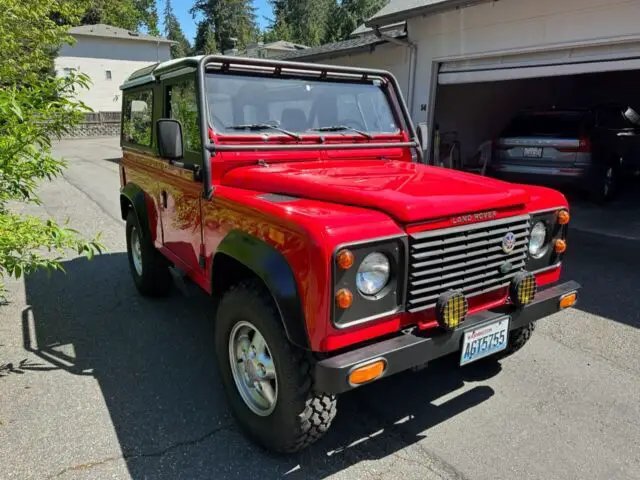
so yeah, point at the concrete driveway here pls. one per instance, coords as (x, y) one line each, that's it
(105, 384)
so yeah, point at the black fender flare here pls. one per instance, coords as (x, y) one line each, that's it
(272, 268)
(134, 195)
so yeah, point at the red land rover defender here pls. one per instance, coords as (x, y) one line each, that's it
(295, 195)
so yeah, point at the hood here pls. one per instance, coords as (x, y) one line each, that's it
(408, 192)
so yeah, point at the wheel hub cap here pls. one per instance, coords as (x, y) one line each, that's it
(136, 251)
(253, 369)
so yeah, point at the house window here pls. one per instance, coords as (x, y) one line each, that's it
(108, 74)
(136, 125)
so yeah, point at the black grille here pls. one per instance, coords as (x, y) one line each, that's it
(469, 258)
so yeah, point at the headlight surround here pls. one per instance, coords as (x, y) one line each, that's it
(376, 278)
(538, 244)
(373, 274)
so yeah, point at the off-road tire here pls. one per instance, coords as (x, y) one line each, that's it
(517, 339)
(301, 416)
(155, 280)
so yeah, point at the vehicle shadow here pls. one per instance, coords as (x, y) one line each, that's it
(154, 362)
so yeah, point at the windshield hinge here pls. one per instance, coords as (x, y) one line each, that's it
(263, 163)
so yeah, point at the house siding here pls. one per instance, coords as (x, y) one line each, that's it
(95, 56)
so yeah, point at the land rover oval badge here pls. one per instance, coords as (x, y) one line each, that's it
(509, 242)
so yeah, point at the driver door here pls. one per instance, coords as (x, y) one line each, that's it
(180, 190)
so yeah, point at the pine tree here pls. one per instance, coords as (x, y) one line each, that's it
(233, 22)
(348, 15)
(173, 31)
(205, 42)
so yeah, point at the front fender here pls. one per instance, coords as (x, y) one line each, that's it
(272, 268)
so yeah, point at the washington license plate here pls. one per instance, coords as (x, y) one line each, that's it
(483, 341)
(534, 152)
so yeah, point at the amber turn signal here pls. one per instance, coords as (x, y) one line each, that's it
(560, 246)
(568, 300)
(344, 259)
(344, 298)
(563, 217)
(368, 372)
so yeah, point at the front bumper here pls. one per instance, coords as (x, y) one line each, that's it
(410, 350)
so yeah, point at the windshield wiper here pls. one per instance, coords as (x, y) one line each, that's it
(264, 126)
(338, 128)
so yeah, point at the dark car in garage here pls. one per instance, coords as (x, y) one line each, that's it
(588, 149)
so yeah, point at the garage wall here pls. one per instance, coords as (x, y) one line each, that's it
(515, 26)
(391, 57)
(479, 111)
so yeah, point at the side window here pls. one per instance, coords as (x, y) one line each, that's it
(183, 107)
(136, 126)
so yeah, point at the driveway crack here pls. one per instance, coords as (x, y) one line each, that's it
(133, 456)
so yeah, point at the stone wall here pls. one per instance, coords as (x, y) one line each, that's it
(98, 124)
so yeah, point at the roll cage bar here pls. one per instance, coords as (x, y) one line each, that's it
(225, 63)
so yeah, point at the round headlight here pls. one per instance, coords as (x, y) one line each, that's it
(373, 274)
(537, 241)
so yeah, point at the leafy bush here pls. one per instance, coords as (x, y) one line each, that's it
(35, 108)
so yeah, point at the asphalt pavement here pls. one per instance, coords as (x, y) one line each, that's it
(97, 382)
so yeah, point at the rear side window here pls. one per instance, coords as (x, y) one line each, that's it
(183, 107)
(569, 125)
(136, 125)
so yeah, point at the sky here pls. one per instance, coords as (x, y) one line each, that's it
(181, 9)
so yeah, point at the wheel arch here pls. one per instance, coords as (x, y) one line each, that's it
(240, 256)
(132, 197)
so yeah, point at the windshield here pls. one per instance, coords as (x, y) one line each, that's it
(569, 124)
(243, 104)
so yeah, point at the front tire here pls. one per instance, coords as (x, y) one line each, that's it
(149, 269)
(268, 381)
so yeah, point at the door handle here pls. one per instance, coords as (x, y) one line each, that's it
(164, 199)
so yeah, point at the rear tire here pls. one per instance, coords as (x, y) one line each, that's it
(297, 416)
(517, 339)
(149, 269)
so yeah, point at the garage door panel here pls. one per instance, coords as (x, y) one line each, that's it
(596, 58)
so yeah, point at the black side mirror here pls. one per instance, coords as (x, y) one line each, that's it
(170, 139)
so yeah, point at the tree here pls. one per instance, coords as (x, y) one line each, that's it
(301, 21)
(279, 28)
(35, 107)
(233, 23)
(173, 31)
(348, 15)
(129, 14)
(205, 42)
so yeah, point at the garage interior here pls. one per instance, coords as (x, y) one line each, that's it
(470, 114)
(477, 112)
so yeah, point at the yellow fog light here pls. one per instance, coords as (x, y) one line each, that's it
(523, 288)
(451, 309)
(367, 372)
(568, 300)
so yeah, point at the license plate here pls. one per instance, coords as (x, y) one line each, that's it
(484, 341)
(535, 152)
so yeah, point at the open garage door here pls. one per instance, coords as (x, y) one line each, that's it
(607, 57)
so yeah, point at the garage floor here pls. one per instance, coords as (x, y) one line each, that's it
(619, 219)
